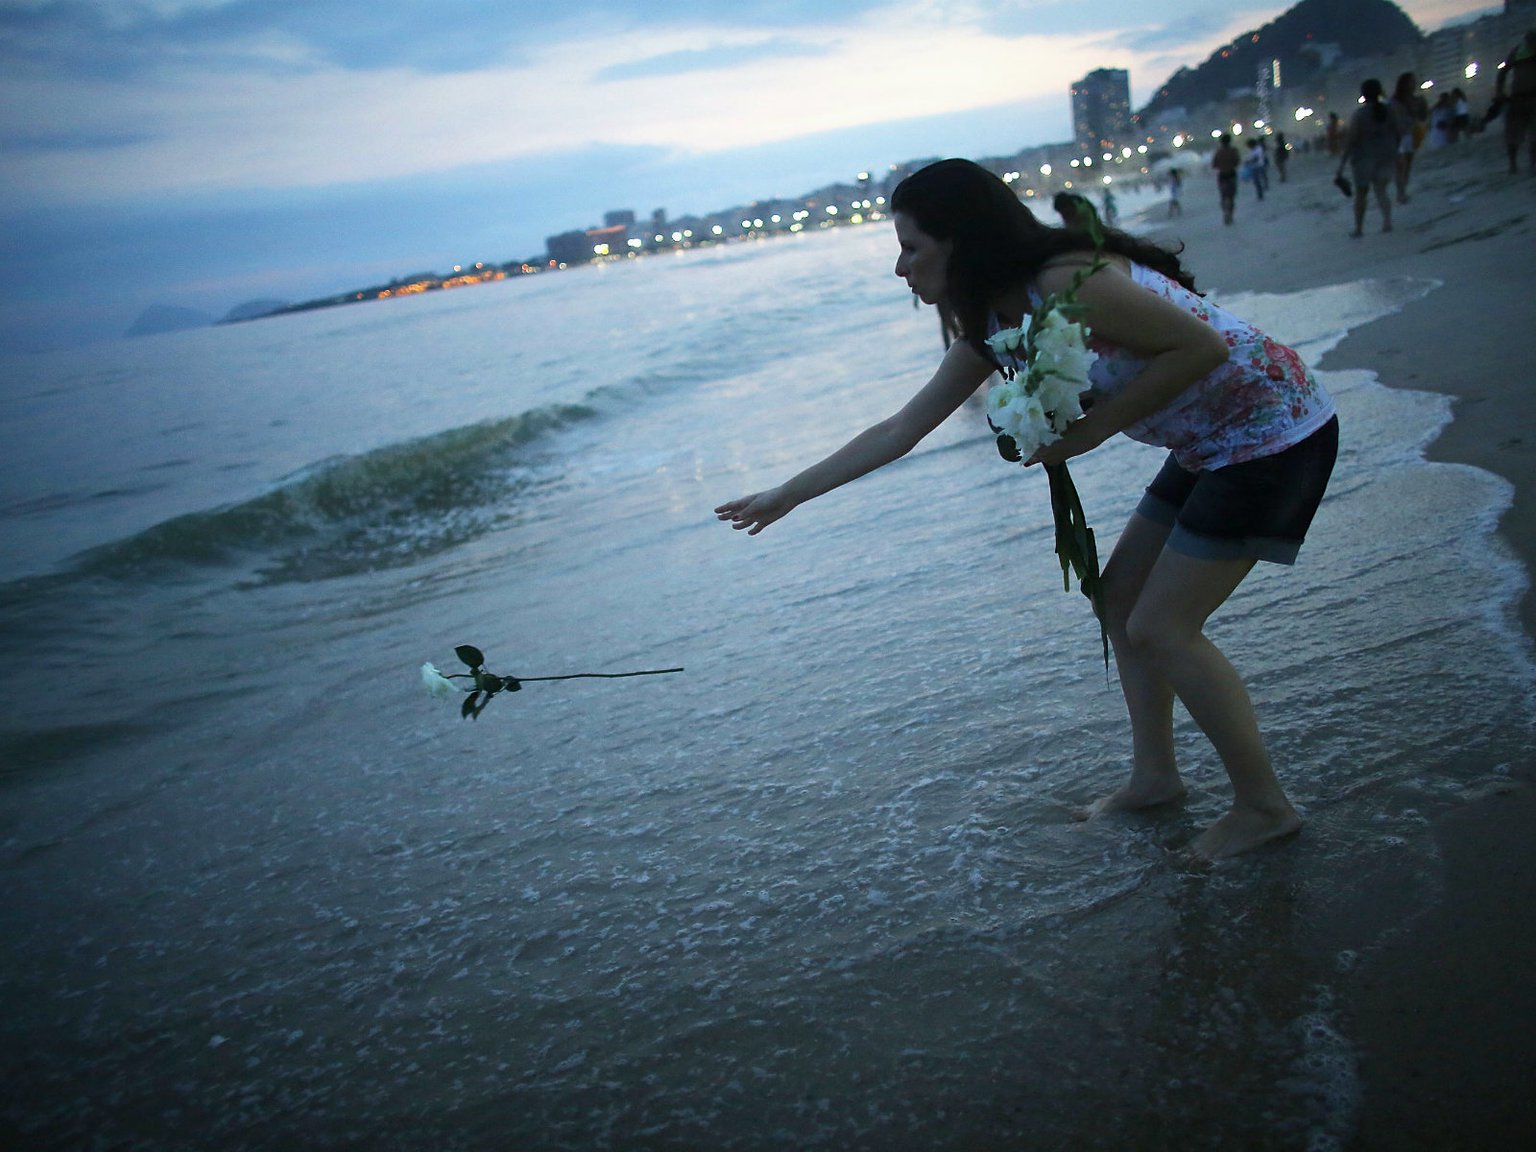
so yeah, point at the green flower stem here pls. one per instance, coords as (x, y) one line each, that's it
(1075, 546)
(487, 685)
(572, 676)
(601, 675)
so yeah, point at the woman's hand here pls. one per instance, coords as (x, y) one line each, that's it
(1056, 452)
(1081, 436)
(756, 512)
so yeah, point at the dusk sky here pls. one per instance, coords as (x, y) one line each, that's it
(203, 153)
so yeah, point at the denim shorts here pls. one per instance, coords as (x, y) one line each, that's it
(1257, 510)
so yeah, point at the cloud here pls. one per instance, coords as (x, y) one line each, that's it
(201, 125)
(714, 58)
(124, 39)
(22, 142)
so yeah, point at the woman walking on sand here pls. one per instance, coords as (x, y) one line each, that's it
(1371, 149)
(1514, 90)
(1252, 436)
(1225, 162)
(1413, 117)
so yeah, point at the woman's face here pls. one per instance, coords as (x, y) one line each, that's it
(923, 260)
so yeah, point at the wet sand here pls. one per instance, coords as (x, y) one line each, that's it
(1444, 1014)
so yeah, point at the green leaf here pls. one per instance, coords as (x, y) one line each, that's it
(467, 710)
(471, 655)
(1008, 448)
(489, 683)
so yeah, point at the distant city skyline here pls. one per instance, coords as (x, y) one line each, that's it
(201, 153)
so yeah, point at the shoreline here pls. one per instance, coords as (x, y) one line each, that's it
(1443, 1015)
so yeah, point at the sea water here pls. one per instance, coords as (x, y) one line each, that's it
(823, 889)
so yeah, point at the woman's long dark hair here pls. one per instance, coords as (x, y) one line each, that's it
(996, 241)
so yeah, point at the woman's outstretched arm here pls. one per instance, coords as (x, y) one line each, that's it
(959, 374)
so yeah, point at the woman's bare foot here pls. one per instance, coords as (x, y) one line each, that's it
(1244, 829)
(1137, 795)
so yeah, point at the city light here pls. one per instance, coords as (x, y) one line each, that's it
(1471, 71)
(1303, 113)
(1045, 169)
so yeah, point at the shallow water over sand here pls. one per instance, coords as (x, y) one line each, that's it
(824, 889)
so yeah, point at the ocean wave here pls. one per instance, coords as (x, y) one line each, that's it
(385, 508)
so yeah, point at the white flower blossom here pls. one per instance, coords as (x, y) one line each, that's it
(1009, 342)
(1035, 404)
(436, 683)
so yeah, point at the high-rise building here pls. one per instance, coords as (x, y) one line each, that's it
(1101, 110)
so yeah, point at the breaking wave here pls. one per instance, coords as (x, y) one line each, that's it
(385, 508)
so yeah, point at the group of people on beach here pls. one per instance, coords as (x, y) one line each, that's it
(1383, 135)
(1229, 164)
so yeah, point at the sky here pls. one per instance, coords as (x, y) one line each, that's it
(206, 153)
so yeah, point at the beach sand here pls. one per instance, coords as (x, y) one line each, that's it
(1444, 1014)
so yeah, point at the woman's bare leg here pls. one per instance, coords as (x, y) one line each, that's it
(1166, 629)
(1148, 695)
(1385, 203)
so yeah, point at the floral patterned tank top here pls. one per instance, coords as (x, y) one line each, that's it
(1260, 402)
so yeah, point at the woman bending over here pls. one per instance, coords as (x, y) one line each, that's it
(1251, 437)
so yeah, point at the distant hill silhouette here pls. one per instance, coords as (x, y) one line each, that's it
(1296, 39)
(253, 310)
(164, 318)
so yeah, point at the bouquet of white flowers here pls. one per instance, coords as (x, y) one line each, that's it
(1045, 372)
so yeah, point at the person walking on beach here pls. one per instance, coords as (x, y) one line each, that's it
(1256, 168)
(1111, 209)
(1282, 155)
(1333, 136)
(1413, 117)
(1226, 161)
(1371, 149)
(1252, 435)
(1441, 116)
(1175, 187)
(1461, 118)
(1515, 90)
